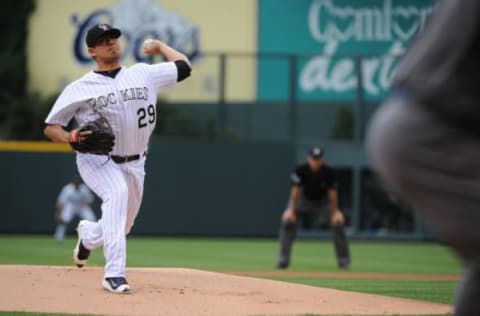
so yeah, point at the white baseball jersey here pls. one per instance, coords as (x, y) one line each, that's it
(73, 202)
(127, 101)
(76, 198)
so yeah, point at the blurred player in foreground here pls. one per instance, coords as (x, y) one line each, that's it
(313, 194)
(425, 140)
(74, 200)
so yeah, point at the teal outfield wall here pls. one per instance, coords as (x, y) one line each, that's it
(363, 39)
(191, 188)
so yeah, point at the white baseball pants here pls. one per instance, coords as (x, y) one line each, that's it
(120, 187)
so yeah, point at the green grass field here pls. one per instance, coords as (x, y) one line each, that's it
(258, 255)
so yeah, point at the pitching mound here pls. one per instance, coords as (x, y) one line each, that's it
(185, 292)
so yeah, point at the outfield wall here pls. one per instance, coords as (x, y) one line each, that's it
(191, 188)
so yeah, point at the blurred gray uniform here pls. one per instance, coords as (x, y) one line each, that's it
(74, 200)
(425, 140)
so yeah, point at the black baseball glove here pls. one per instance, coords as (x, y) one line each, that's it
(95, 137)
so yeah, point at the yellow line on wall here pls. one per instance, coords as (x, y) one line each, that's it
(31, 146)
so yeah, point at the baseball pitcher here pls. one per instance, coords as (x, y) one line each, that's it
(115, 108)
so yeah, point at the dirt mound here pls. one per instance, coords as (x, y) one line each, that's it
(185, 292)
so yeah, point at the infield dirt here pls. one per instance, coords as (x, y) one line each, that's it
(165, 291)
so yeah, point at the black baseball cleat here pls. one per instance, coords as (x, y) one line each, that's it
(116, 285)
(344, 264)
(80, 253)
(282, 264)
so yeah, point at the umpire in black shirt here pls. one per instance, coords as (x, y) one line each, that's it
(313, 192)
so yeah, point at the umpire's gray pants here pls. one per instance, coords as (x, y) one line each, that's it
(288, 232)
(436, 168)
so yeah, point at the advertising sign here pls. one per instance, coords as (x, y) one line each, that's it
(334, 38)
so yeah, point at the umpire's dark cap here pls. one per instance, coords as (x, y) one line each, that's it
(99, 30)
(316, 152)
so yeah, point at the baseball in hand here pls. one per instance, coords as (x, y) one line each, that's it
(149, 47)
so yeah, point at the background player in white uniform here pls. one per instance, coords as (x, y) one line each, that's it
(126, 97)
(74, 199)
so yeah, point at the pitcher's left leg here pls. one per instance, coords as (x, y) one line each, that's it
(135, 176)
